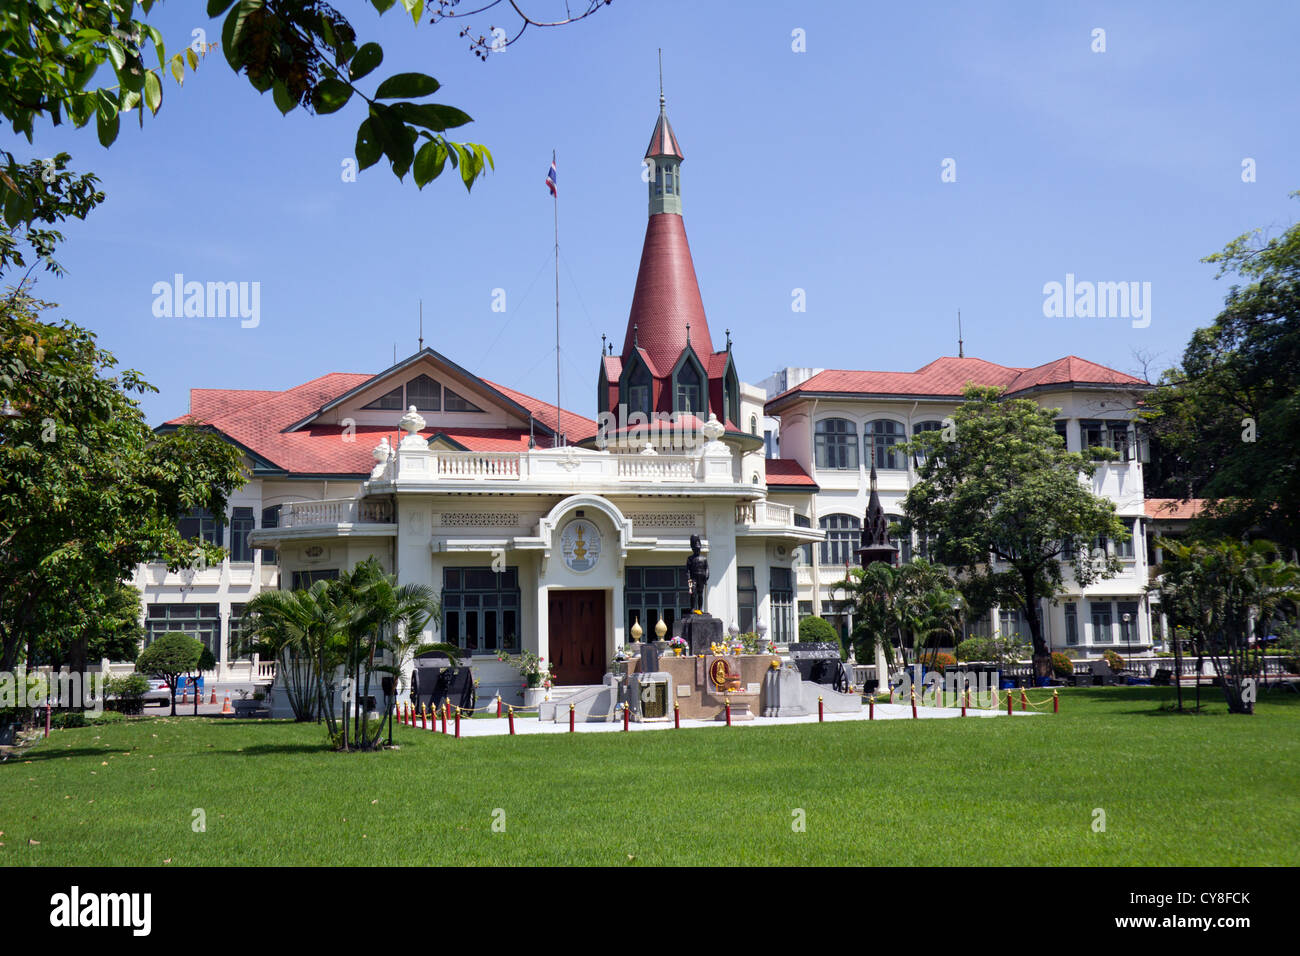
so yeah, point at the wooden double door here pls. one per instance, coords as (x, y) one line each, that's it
(576, 630)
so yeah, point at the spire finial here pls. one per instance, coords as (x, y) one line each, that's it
(728, 340)
(961, 348)
(421, 325)
(602, 343)
(635, 343)
(688, 333)
(661, 79)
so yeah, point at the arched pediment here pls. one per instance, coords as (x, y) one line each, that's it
(548, 525)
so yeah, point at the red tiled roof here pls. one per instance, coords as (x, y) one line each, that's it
(947, 376)
(1174, 509)
(663, 141)
(667, 298)
(209, 403)
(257, 419)
(1071, 369)
(574, 425)
(786, 472)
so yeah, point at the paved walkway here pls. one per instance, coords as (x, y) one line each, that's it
(492, 727)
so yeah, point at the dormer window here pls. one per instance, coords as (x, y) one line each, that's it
(638, 390)
(688, 390)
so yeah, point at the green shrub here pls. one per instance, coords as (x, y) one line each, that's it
(818, 630)
(1062, 666)
(64, 719)
(813, 629)
(975, 649)
(106, 717)
(126, 694)
(1114, 660)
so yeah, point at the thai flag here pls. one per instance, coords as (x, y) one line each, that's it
(550, 179)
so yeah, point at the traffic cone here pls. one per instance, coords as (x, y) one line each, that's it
(185, 697)
(214, 696)
(225, 707)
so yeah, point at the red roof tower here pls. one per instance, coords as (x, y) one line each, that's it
(668, 363)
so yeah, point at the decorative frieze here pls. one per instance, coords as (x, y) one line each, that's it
(478, 519)
(665, 519)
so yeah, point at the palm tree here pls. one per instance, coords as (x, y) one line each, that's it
(873, 597)
(301, 630)
(382, 619)
(1222, 591)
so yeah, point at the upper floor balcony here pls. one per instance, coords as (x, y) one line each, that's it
(413, 466)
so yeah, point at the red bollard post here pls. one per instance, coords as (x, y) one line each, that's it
(457, 721)
(498, 706)
(1008, 701)
(728, 711)
(871, 707)
(570, 718)
(1056, 701)
(677, 716)
(1023, 699)
(914, 703)
(511, 715)
(821, 709)
(447, 704)
(47, 716)
(965, 698)
(626, 715)
(423, 715)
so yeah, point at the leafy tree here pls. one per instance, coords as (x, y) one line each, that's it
(1002, 500)
(1226, 422)
(304, 52)
(1224, 592)
(87, 490)
(169, 658)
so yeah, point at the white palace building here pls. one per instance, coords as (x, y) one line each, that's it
(552, 532)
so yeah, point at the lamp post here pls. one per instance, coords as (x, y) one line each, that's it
(1128, 634)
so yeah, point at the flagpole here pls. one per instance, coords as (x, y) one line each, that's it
(555, 197)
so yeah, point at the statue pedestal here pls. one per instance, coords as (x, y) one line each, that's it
(701, 631)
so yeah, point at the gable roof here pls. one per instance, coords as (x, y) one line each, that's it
(279, 427)
(946, 377)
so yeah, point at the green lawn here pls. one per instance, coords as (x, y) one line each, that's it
(1176, 789)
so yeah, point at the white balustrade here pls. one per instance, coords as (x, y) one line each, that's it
(304, 514)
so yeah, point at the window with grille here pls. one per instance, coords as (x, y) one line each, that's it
(654, 593)
(882, 437)
(843, 535)
(781, 595)
(746, 599)
(835, 444)
(480, 609)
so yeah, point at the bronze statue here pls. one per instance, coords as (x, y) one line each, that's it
(697, 572)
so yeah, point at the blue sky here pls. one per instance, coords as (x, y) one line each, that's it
(816, 170)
